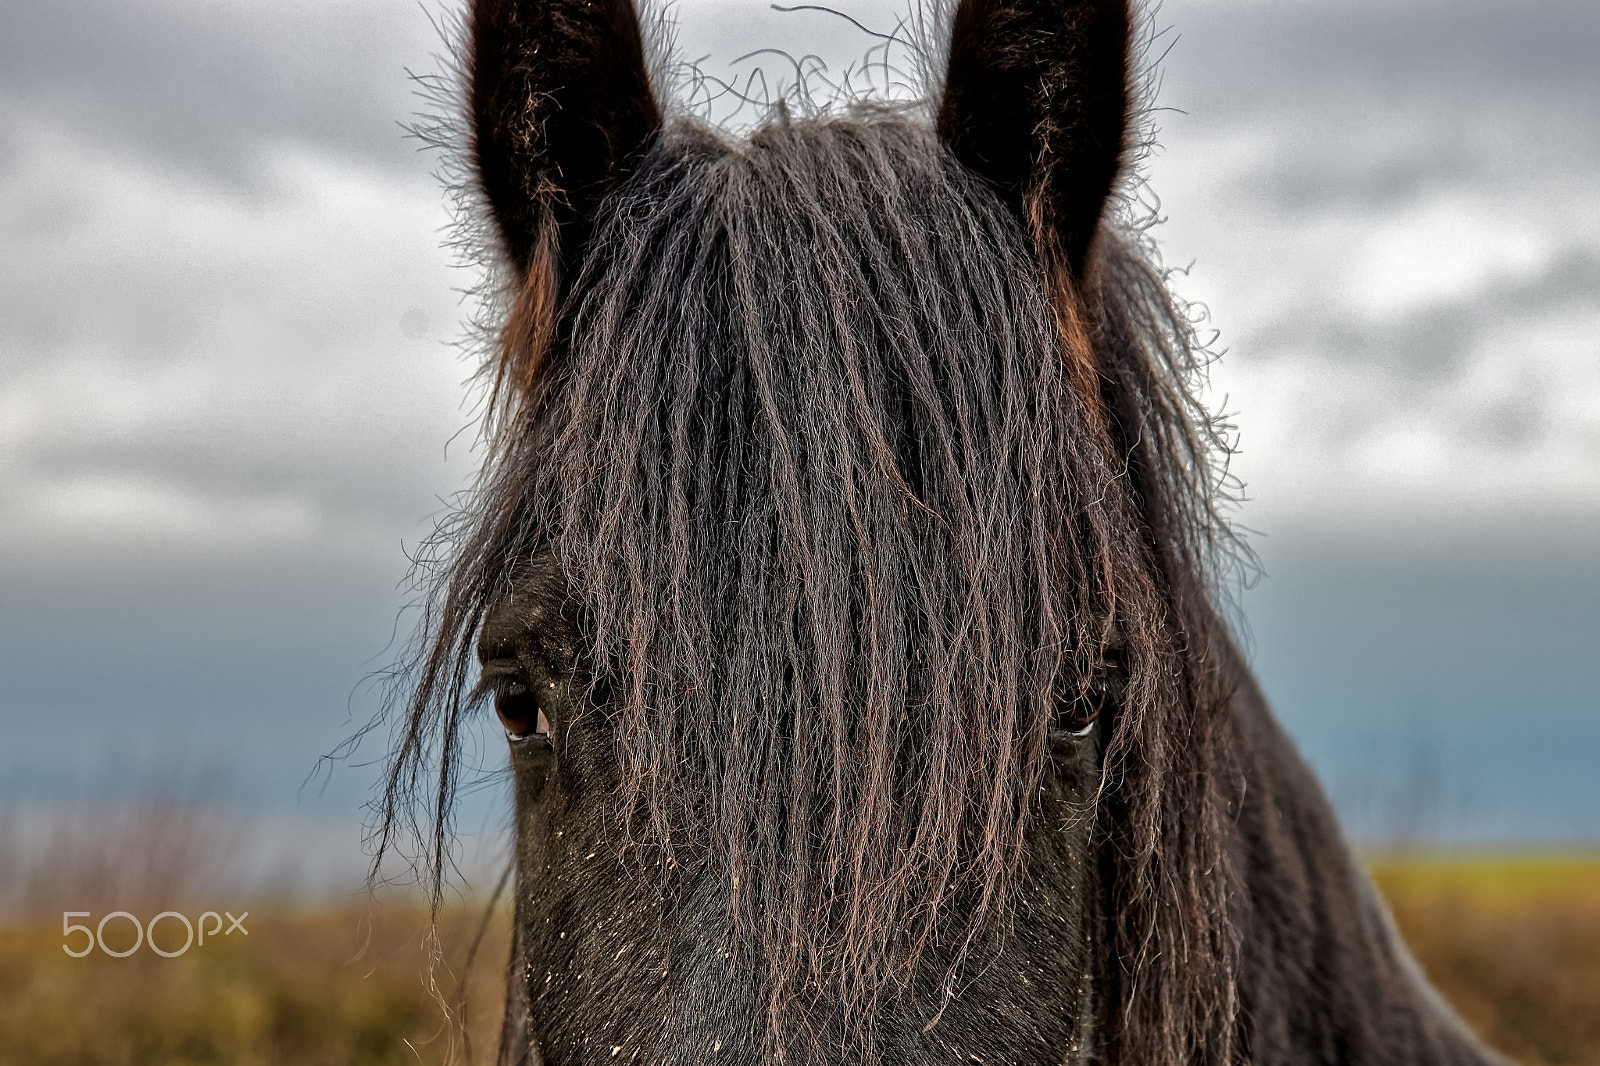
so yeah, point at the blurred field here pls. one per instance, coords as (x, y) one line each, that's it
(1514, 942)
(338, 987)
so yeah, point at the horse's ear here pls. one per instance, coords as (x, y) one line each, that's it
(1036, 99)
(561, 108)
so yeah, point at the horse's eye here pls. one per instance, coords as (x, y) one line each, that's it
(1078, 718)
(519, 711)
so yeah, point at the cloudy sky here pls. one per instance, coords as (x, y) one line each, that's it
(229, 403)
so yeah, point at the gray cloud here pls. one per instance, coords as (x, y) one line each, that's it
(1370, 105)
(1431, 341)
(1391, 212)
(1273, 56)
(215, 86)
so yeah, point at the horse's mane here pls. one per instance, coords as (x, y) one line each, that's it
(845, 535)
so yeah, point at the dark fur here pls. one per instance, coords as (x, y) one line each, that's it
(561, 103)
(1036, 99)
(858, 460)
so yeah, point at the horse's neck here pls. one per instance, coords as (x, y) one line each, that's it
(1324, 977)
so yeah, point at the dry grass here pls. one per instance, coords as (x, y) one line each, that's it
(343, 987)
(1514, 942)
(160, 850)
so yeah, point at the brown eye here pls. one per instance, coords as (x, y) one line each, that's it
(1078, 718)
(519, 712)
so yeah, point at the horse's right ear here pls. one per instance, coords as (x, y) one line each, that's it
(561, 105)
(561, 108)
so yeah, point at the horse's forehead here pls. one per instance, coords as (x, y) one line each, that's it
(532, 598)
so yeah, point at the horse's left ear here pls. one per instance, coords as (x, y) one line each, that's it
(1036, 99)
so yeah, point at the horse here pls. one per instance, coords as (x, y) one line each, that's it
(844, 571)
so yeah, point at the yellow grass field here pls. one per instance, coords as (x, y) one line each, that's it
(1514, 942)
(335, 987)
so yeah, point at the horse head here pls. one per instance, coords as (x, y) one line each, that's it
(840, 575)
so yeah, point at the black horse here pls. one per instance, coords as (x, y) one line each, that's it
(842, 574)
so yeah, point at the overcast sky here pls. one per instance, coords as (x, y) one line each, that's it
(227, 385)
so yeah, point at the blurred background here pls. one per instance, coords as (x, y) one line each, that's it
(231, 404)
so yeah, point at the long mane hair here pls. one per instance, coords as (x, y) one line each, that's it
(846, 531)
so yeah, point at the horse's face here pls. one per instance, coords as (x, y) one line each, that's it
(807, 721)
(840, 574)
(625, 957)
